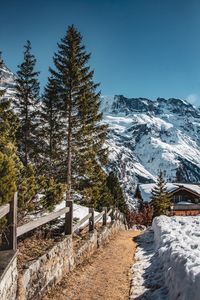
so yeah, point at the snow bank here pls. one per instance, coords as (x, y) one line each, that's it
(147, 272)
(177, 240)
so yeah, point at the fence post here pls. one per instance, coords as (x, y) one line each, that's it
(12, 223)
(112, 215)
(105, 216)
(9, 239)
(118, 214)
(115, 213)
(91, 219)
(121, 217)
(69, 218)
(125, 221)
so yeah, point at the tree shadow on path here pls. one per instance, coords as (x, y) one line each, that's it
(148, 277)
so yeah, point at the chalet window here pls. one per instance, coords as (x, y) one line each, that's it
(177, 198)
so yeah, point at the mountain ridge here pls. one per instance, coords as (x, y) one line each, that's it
(151, 135)
(145, 136)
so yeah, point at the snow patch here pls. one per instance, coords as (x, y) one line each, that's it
(147, 272)
(177, 241)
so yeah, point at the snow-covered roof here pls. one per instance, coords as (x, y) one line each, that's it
(193, 187)
(145, 189)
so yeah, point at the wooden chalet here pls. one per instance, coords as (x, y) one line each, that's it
(185, 197)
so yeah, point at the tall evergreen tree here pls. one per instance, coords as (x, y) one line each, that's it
(8, 158)
(27, 98)
(12, 172)
(161, 199)
(79, 110)
(51, 131)
(116, 192)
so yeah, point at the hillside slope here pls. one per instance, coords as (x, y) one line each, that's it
(146, 136)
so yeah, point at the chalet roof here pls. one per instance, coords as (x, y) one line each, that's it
(145, 189)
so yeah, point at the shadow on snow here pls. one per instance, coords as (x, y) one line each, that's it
(152, 277)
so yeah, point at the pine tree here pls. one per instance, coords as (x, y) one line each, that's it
(8, 158)
(94, 189)
(31, 185)
(106, 198)
(79, 109)
(116, 192)
(161, 200)
(27, 98)
(50, 132)
(27, 190)
(53, 193)
(13, 175)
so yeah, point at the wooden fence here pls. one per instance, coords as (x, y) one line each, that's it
(10, 211)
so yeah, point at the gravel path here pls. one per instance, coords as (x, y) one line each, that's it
(106, 276)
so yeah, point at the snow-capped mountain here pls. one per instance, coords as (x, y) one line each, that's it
(147, 136)
(7, 81)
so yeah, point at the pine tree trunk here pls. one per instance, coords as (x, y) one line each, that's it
(26, 137)
(69, 150)
(50, 142)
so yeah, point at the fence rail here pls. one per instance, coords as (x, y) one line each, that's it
(13, 232)
(9, 240)
(41, 221)
(8, 246)
(109, 212)
(98, 217)
(4, 210)
(81, 222)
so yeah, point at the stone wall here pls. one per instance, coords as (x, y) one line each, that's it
(8, 275)
(108, 232)
(96, 240)
(88, 248)
(61, 259)
(46, 271)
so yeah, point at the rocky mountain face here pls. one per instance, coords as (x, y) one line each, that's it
(147, 136)
(7, 81)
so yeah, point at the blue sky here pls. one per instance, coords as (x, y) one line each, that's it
(147, 48)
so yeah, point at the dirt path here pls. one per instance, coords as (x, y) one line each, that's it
(104, 277)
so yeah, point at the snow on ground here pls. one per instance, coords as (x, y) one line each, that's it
(167, 263)
(147, 271)
(79, 212)
(177, 240)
